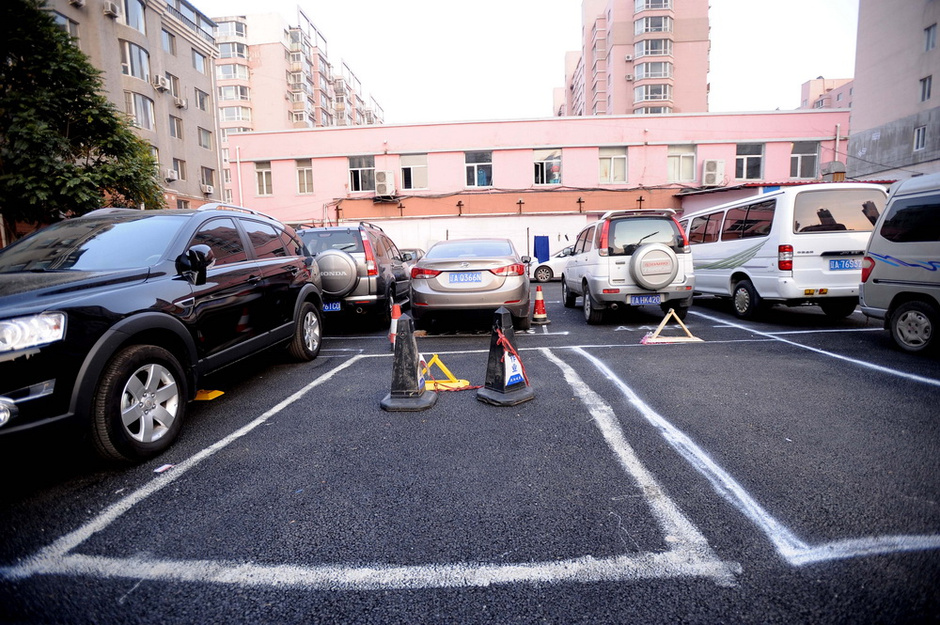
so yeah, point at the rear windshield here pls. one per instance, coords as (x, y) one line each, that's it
(626, 235)
(469, 249)
(913, 220)
(317, 241)
(837, 210)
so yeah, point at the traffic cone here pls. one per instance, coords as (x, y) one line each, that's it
(506, 381)
(409, 392)
(393, 330)
(539, 316)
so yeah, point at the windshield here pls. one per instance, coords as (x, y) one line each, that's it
(470, 249)
(837, 210)
(626, 235)
(93, 244)
(317, 241)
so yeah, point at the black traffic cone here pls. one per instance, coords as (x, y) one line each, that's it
(408, 392)
(506, 381)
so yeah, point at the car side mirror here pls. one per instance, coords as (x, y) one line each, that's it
(193, 263)
(527, 259)
(407, 257)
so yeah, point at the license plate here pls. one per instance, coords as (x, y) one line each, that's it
(332, 307)
(845, 264)
(464, 277)
(642, 300)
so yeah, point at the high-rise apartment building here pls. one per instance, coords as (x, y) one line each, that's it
(639, 57)
(156, 58)
(276, 75)
(895, 127)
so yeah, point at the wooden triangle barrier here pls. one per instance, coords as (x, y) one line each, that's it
(654, 337)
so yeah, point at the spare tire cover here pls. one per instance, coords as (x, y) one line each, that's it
(654, 266)
(338, 272)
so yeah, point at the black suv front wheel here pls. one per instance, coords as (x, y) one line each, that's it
(139, 404)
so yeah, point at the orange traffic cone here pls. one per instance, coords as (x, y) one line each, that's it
(539, 316)
(393, 330)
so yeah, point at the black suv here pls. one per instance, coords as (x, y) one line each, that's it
(112, 318)
(361, 269)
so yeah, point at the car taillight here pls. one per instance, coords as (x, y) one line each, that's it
(785, 257)
(603, 241)
(868, 265)
(517, 269)
(685, 239)
(420, 273)
(371, 268)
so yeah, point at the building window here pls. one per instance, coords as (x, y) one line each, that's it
(135, 61)
(749, 161)
(479, 166)
(207, 176)
(233, 51)
(134, 15)
(202, 99)
(176, 127)
(362, 173)
(235, 113)
(168, 41)
(200, 62)
(659, 24)
(414, 171)
(205, 139)
(930, 38)
(613, 165)
(234, 92)
(657, 69)
(803, 159)
(140, 109)
(652, 93)
(174, 83)
(231, 29)
(680, 163)
(920, 138)
(230, 71)
(263, 178)
(304, 176)
(547, 167)
(182, 203)
(925, 86)
(180, 167)
(69, 26)
(653, 110)
(647, 5)
(653, 47)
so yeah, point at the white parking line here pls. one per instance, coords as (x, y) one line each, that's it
(787, 544)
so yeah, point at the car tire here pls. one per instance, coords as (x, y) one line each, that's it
(308, 334)
(913, 327)
(522, 324)
(839, 308)
(681, 311)
(568, 298)
(543, 274)
(745, 301)
(339, 272)
(654, 266)
(592, 314)
(139, 404)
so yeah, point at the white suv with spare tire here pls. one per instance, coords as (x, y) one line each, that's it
(630, 258)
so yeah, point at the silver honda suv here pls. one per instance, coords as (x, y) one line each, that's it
(630, 258)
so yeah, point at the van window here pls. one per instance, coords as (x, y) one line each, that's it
(750, 221)
(837, 210)
(913, 220)
(705, 229)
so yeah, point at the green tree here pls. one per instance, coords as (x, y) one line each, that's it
(65, 149)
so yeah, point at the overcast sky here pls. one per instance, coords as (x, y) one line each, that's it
(438, 60)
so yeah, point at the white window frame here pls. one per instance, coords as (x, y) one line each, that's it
(473, 168)
(140, 109)
(743, 162)
(547, 167)
(680, 163)
(414, 171)
(304, 176)
(612, 165)
(361, 173)
(652, 93)
(644, 70)
(135, 61)
(920, 138)
(653, 47)
(264, 181)
(799, 160)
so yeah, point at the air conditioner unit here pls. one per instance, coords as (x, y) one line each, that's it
(180, 103)
(207, 189)
(171, 175)
(77, 3)
(630, 77)
(628, 58)
(713, 173)
(111, 9)
(385, 183)
(160, 83)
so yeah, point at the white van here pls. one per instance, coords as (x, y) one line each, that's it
(797, 245)
(901, 269)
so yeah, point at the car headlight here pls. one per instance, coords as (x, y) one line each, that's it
(33, 331)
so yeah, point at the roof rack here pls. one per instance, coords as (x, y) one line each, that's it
(639, 211)
(371, 225)
(232, 207)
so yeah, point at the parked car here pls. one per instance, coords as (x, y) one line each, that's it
(112, 319)
(471, 275)
(361, 269)
(553, 267)
(901, 268)
(630, 258)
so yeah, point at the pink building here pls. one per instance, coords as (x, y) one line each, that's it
(827, 93)
(427, 182)
(638, 57)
